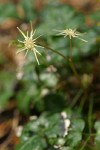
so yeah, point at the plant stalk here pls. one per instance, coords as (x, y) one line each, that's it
(72, 65)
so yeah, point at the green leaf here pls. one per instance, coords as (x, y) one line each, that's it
(7, 10)
(78, 125)
(59, 17)
(75, 134)
(97, 137)
(67, 148)
(54, 102)
(95, 15)
(54, 127)
(6, 86)
(74, 138)
(49, 127)
(28, 7)
(25, 96)
(33, 143)
(97, 126)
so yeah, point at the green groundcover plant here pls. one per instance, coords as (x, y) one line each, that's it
(57, 88)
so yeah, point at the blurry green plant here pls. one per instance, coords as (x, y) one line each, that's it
(48, 130)
(28, 7)
(7, 10)
(59, 17)
(48, 89)
(97, 137)
(7, 82)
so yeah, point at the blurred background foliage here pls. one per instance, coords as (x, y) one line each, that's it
(32, 97)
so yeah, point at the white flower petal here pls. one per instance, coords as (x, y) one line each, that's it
(26, 53)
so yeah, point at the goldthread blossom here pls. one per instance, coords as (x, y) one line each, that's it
(29, 44)
(71, 33)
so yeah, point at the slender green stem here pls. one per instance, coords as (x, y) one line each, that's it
(85, 143)
(70, 50)
(76, 98)
(82, 102)
(74, 70)
(72, 65)
(90, 134)
(90, 114)
(54, 51)
(70, 60)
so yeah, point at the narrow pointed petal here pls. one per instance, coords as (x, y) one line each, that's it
(78, 34)
(26, 53)
(27, 34)
(21, 41)
(81, 39)
(58, 30)
(32, 33)
(61, 33)
(21, 33)
(37, 37)
(37, 51)
(36, 57)
(20, 50)
(38, 46)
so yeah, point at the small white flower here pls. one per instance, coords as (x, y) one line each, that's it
(71, 33)
(63, 115)
(66, 123)
(29, 44)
